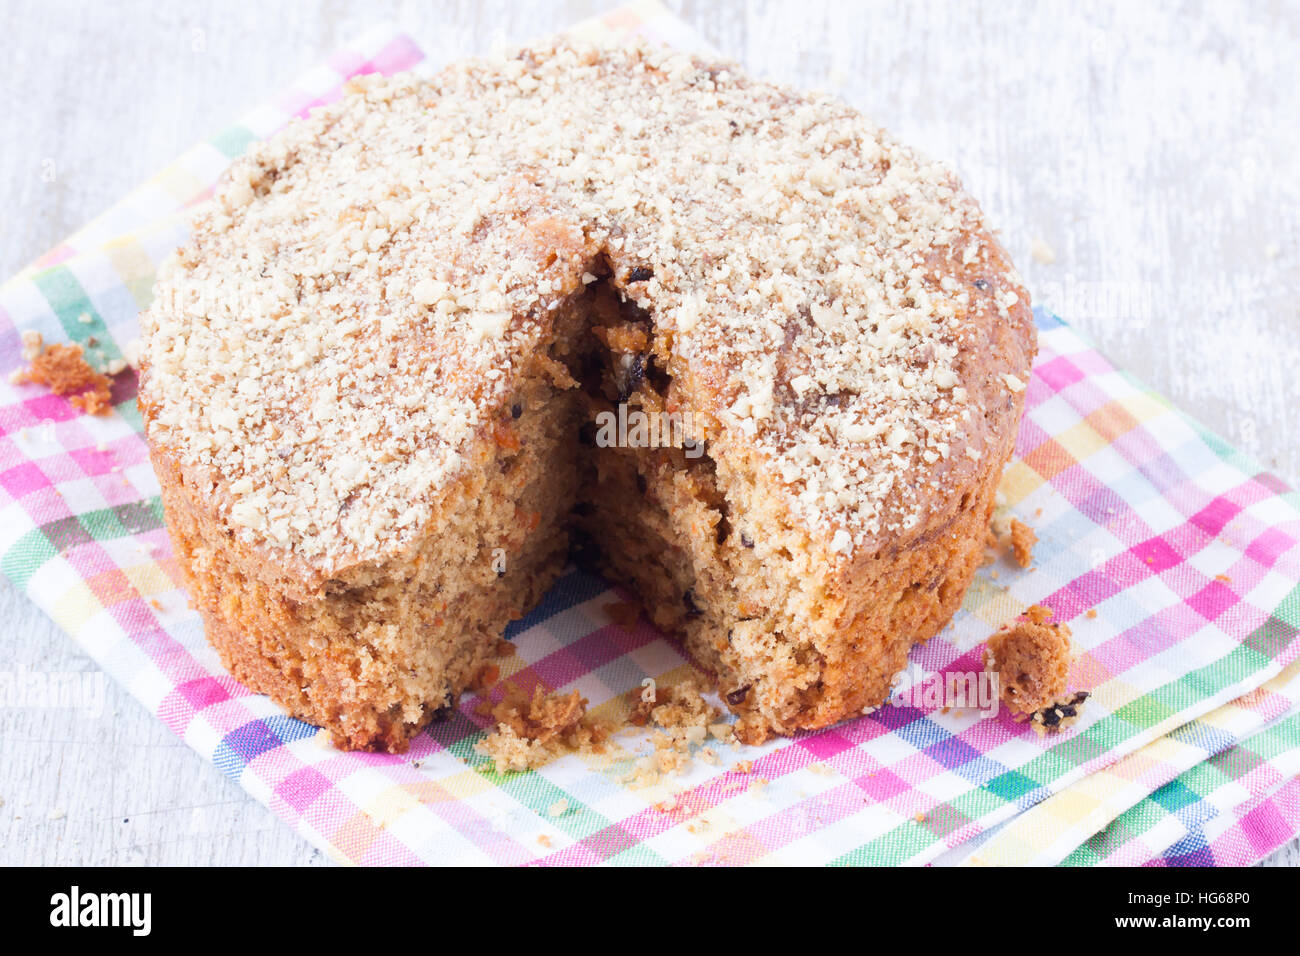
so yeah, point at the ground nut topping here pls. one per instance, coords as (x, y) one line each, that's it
(349, 314)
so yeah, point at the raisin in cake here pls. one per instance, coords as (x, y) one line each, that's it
(372, 377)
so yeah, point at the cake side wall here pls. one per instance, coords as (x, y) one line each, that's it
(376, 652)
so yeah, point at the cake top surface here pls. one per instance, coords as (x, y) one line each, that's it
(353, 303)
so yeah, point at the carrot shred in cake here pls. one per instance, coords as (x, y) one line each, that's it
(488, 675)
(64, 370)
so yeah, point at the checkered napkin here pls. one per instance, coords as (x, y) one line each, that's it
(1188, 553)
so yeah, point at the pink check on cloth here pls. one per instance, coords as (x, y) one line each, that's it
(1188, 553)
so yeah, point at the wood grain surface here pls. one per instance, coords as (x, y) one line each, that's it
(1140, 161)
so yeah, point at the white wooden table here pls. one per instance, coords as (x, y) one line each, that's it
(1149, 149)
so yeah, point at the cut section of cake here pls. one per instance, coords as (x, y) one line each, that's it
(730, 343)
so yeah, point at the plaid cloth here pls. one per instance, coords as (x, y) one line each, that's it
(1101, 817)
(1187, 551)
(1231, 810)
(1245, 834)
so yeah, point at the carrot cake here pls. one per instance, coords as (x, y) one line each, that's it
(730, 343)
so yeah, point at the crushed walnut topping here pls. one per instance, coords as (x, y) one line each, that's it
(347, 318)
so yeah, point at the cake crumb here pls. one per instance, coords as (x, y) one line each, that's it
(669, 758)
(1091, 613)
(131, 353)
(64, 371)
(1031, 659)
(1039, 614)
(1041, 251)
(1059, 714)
(624, 613)
(685, 720)
(644, 699)
(722, 732)
(533, 731)
(1023, 540)
(33, 343)
(1008, 534)
(752, 731)
(683, 712)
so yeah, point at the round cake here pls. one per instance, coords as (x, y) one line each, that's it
(728, 342)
